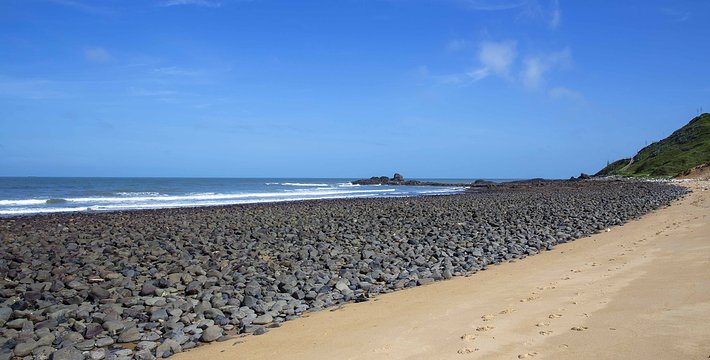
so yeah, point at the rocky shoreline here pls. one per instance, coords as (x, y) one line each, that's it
(399, 180)
(147, 284)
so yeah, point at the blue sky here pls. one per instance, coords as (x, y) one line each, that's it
(343, 88)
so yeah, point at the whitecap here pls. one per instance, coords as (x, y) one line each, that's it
(302, 184)
(23, 202)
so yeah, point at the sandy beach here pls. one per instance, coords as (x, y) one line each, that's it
(637, 291)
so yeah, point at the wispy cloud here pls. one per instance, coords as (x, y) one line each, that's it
(561, 92)
(141, 92)
(676, 15)
(84, 7)
(536, 67)
(457, 44)
(31, 89)
(205, 3)
(500, 59)
(495, 58)
(97, 54)
(175, 71)
(555, 15)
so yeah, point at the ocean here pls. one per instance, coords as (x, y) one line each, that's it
(36, 195)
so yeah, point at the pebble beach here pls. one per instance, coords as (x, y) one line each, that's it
(152, 283)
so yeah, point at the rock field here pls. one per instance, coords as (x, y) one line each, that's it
(147, 284)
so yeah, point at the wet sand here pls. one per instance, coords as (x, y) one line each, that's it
(638, 291)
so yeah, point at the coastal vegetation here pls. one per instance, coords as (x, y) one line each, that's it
(686, 148)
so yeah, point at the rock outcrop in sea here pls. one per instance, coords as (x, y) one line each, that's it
(398, 179)
(148, 284)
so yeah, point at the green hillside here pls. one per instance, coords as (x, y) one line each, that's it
(687, 147)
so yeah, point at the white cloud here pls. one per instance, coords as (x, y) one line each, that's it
(501, 59)
(205, 3)
(97, 54)
(536, 67)
(497, 57)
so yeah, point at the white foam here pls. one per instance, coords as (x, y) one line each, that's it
(23, 202)
(24, 211)
(114, 207)
(443, 191)
(137, 193)
(302, 184)
(347, 185)
(201, 197)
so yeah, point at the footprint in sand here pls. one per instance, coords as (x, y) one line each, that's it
(531, 298)
(555, 316)
(526, 355)
(506, 311)
(464, 351)
(545, 332)
(485, 328)
(579, 328)
(541, 324)
(468, 337)
(487, 317)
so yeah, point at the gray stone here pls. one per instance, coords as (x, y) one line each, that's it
(167, 348)
(104, 341)
(263, 319)
(159, 315)
(97, 354)
(46, 340)
(114, 327)
(129, 335)
(42, 352)
(85, 345)
(144, 355)
(99, 293)
(147, 289)
(260, 330)
(146, 345)
(67, 353)
(123, 352)
(16, 324)
(5, 314)
(92, 330)
(211, 334)
(193, 288)
(25, 348)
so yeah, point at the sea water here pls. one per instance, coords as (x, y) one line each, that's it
(34, 195)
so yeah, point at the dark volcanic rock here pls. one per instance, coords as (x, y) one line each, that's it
(170, 279)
